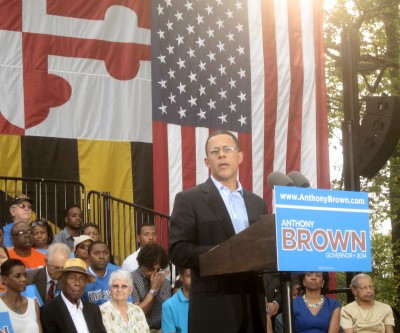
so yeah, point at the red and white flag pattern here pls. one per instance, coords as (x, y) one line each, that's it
(253, 67)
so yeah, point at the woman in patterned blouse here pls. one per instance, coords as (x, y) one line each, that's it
(119, 316)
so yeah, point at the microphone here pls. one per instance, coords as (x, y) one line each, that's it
(278, 178)
(298, 179)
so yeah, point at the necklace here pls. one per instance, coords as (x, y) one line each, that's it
(314, 305)
(17, 304)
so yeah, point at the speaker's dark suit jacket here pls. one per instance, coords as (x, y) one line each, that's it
(38, 277)
(55, 317)
(199, 222)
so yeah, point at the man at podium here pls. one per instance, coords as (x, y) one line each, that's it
(204, 217)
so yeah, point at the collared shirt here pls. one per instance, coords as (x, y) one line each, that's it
(234, 203)
(64, 237)
(76, 313)
(175, 314)
(141, 287)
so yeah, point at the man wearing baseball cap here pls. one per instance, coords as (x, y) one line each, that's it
(68, 312)
(21, 211)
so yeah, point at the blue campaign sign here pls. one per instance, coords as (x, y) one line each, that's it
(322, 230)
(5, 323)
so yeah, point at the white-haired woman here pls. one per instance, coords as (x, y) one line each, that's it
(119, 315)
(365, 314)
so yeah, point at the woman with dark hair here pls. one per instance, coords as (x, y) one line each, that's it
(314, 312)
(151, 287)
(42, 235)
(23, 311)
(92, 230)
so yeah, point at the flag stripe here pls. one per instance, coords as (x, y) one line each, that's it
(271, 92)
(322, 148)
(188, 157)
(55, 158)
(142, 173)
(295, 117)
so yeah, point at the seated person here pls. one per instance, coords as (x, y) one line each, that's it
(98, 292)
(67, 312)
(43, 278)
(365, 314)
(175, 310)
(314, 312)
(21, 211)
(92, 230)
(119, 314)
(22, 239)
(42, 235)
(81, 247)
(73, 219)
(150, 286)
(23, 311)
(146, 234)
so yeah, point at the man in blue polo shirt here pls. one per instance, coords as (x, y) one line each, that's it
(98, 292)
(175, 310)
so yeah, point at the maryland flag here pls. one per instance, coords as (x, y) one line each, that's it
(75, 94)
(122, 94)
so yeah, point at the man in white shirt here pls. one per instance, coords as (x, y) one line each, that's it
(67, 312)
(146, 234)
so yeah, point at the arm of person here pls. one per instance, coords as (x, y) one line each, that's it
(182, 233)
(37, 310)
(334, 326)
(388, 329)
(156, 282)
(167, 319)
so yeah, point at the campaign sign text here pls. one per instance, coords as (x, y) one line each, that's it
(322, 230)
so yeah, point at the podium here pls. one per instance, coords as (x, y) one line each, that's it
(252, 250)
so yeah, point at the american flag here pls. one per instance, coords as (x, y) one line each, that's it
(252, 67)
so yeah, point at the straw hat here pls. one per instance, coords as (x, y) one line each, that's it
(74, 265)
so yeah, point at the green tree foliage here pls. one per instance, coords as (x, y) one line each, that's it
(377, 26)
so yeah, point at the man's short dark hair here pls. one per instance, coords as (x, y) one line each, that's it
(90, 248)
(223, 132)
(69, 208)
(152, 254)
(145, 224)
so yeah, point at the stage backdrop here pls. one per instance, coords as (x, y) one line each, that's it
(121, 94)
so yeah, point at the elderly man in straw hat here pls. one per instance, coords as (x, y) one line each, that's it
(68, 312)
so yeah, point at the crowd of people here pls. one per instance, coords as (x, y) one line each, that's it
(67, 282)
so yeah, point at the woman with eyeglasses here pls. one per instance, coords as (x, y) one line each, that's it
(313, 312)
(81, 246)
(23, 311)
(42, 235)
(365, 314)
(119, 315)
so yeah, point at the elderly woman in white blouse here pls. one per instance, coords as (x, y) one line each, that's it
(119, 315)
